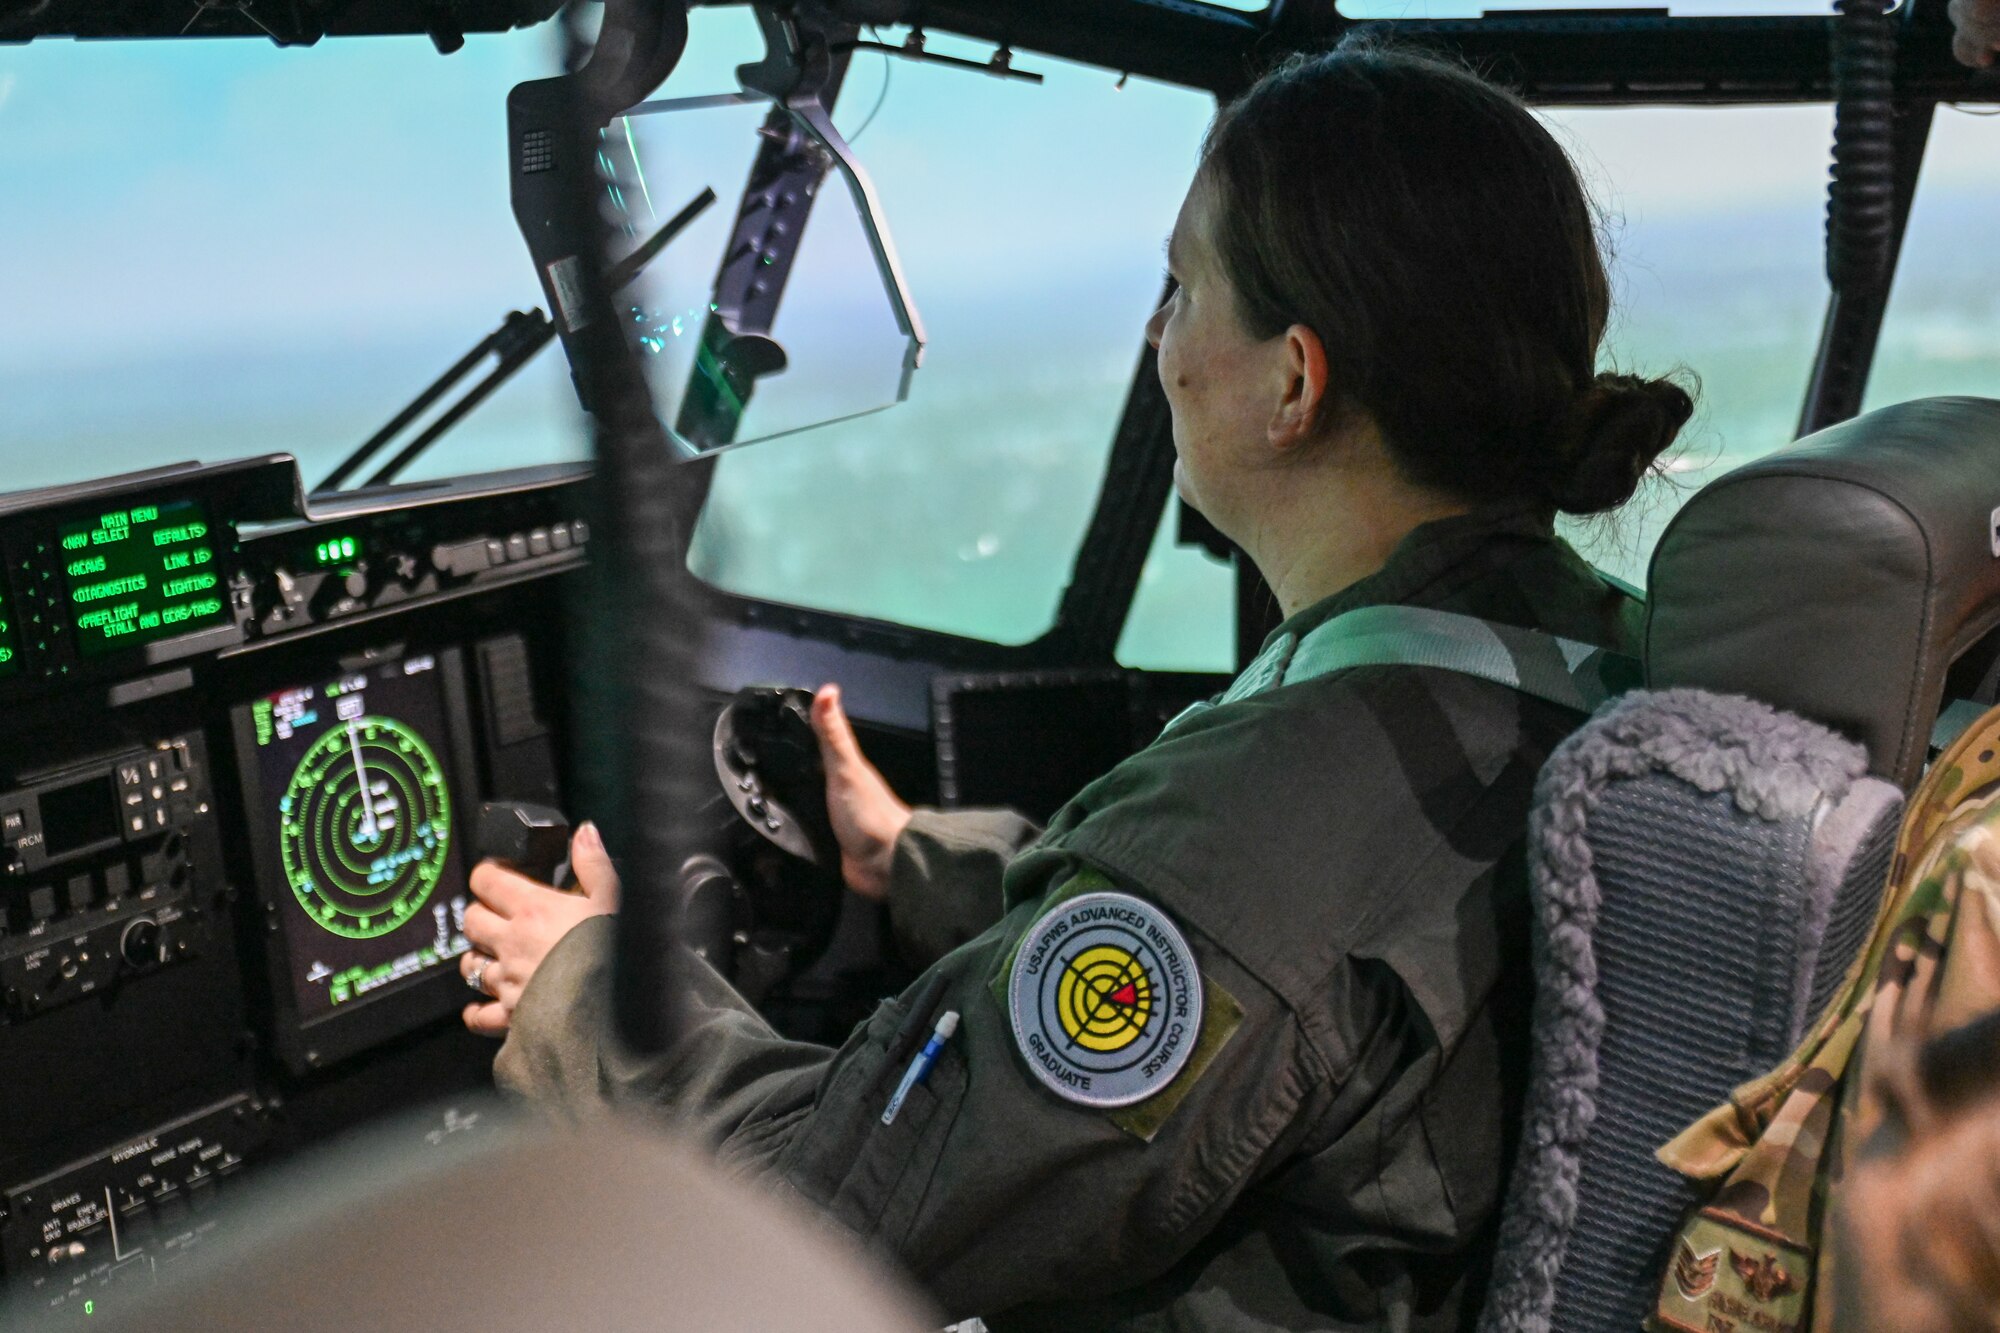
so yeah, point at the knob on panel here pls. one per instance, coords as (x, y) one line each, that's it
(143, 943)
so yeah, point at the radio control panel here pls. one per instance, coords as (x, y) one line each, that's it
(98, 864)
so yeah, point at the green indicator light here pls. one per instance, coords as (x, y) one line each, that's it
(90, 1307)
(336, 549)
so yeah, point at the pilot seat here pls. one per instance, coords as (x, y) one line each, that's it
(1709, 853)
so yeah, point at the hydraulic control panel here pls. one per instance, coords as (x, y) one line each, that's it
(79, 1234)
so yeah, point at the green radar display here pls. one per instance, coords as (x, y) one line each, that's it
(350, 782)
(365, 827)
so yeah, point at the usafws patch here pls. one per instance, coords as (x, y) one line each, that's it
(1106, 999)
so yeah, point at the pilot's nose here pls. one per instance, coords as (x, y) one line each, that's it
(1155, 326)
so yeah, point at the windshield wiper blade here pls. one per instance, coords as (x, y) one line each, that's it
(515, 342)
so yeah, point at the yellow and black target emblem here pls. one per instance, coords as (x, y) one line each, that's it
(1105, 999)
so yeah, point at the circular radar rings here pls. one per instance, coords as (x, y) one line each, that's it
(364, 827)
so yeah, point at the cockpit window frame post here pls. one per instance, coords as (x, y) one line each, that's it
(1137, 485)
(1853, 322)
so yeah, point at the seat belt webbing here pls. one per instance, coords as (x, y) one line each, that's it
(1564, 672)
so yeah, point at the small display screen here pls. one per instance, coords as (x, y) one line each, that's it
(354, 783)
(10, 635)
(79, 815)
(140, 573)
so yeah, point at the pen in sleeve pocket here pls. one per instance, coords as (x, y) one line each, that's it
(920, 1067)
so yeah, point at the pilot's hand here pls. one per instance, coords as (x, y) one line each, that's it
(517, 921)
(1977, 31)
(867, 817)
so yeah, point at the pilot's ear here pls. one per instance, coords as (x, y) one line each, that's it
(1302, 388)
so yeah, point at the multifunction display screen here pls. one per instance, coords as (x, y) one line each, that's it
(140, 573)
(354, 783)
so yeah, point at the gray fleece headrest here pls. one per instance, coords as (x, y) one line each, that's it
(1841, 578)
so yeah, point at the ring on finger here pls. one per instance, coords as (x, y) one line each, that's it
(476, 978)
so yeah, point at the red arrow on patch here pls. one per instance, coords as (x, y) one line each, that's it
(1127, 995)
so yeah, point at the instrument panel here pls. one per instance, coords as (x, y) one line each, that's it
(242, 741)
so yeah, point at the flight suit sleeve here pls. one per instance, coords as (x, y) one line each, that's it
(990, 1187)
(945, 877)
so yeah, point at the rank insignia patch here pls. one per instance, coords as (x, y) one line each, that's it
(1694, 1273)
(1106, 999)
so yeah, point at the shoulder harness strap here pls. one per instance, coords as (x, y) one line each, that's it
(1564, 672)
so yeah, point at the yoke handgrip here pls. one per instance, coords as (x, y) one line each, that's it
(531, 839)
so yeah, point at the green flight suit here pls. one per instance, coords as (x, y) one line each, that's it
(1344, 856)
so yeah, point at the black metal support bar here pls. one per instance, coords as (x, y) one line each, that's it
(1853, 322)
(1001, 66)
(517, 342)
(418, 406)
(1137, 481)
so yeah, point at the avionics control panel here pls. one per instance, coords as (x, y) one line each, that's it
(103, 856)
(100, 579)
(241, 738)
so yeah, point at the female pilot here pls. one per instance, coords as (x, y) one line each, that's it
(1241, 1037)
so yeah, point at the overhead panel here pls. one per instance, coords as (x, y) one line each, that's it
(1472, 9)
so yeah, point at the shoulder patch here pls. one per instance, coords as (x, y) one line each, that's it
(1106, 999)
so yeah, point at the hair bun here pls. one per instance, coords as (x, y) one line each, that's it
(1617, 427)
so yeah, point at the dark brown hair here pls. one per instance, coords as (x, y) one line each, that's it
(1434, 235)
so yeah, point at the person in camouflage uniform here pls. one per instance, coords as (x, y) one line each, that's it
(1784, 1146)
(1241, 1036)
